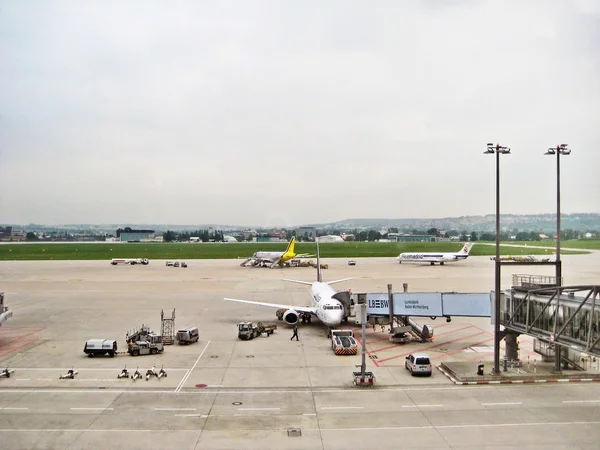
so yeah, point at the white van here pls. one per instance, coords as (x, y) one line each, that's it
(187, 335)
(95, 347)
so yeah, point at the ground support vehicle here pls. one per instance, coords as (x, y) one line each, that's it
(96, 347)
(343, 342)
(130, 261)
(6, 373)
(418, 364)
(247, 330)
(145, 348)
(364, 379)
(187, 336)
(401, 335)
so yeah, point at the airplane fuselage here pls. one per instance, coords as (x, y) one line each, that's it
(274, 256)
(329, 310)
(432, 257)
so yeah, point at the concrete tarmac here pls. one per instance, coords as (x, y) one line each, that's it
(223, 393)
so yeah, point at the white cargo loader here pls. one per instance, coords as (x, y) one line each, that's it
(131, 261)
(95, 347)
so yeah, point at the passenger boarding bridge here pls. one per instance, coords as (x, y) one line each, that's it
(567, 316)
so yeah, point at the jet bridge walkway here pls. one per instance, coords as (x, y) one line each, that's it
(565, 316)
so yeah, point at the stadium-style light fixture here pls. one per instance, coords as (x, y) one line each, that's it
(497, 148)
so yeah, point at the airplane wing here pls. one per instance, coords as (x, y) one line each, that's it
(304, 309)
(309, 283)
(340, 280)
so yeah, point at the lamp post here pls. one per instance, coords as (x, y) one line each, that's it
(497, 149)
(561, 149)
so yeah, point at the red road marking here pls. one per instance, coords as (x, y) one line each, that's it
(16, 338)
(430, 347)
(435, 335)
(367, 352)
(6, 351)
(453, 352)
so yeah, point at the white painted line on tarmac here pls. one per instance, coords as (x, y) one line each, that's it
(174, 409)
(483, 425)
(581, 401)
(309, 414)
(23, 379)
(187, 375)
(342, 407)
(202, 416)
(183, 380)
(420, 406)
(13, 409)
(424, 427)
(259, 409)
(502, 403)
(92, 409)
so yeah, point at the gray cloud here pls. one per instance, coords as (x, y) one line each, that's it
(294, 112)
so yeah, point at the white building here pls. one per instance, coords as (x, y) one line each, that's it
(329, 239)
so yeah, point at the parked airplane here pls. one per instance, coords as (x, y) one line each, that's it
(433, 258)
(326, 302)
(273, 259)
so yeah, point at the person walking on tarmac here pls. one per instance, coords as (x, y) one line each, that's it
(295, 335)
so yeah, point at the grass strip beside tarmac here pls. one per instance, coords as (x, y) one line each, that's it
(232, 250)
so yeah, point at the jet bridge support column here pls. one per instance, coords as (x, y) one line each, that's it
(511, 348)
(391, 303)
(363, 378)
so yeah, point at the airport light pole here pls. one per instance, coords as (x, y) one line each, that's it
(561, 149)
(498, 150)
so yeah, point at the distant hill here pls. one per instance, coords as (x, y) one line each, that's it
(529, 222)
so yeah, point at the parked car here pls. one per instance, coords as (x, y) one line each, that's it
(169, 263)
(183, 264)
(351, 262)
(418, 364)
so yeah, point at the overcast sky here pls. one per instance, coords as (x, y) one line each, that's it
(291, 112)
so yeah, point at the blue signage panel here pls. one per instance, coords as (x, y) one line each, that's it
(472, 305)
(418, 304)
(378, 304)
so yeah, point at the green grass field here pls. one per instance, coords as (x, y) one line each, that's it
(99, 251)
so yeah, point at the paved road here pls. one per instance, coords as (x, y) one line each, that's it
(259, 389)
(562, 416)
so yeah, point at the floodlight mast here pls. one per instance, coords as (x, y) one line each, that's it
(561, 149)
(498, 150)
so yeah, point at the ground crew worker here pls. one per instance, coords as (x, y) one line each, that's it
(295, 335)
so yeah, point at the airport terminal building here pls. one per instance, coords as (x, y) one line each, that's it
(136, 235)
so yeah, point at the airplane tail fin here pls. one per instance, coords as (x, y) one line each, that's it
(319, 274)
(467, 248)
(290, 247)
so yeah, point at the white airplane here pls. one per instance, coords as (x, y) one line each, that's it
(326, 304)
(272, 259)
(433, 258)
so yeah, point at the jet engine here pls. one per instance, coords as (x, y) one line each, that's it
(291, 317)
